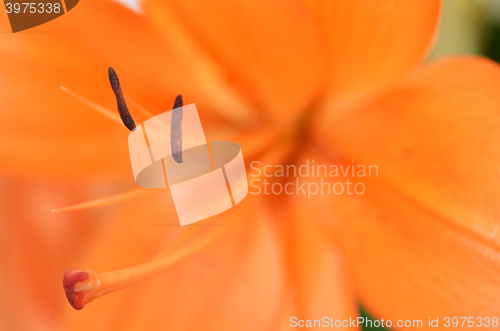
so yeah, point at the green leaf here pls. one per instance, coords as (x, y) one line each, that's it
(368, 325)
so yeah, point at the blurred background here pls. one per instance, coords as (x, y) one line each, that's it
(469, 27)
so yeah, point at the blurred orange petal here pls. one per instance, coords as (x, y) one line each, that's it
(237, 280)
(272, 50)
(319, 280)
(250, 276)
(430, 240)
(373, 42)
(435, 138)
(36, 247)
(409, 262)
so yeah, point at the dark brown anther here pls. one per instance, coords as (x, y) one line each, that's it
(120, 100)
(176, 130)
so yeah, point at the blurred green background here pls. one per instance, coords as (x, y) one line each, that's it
(467, 27)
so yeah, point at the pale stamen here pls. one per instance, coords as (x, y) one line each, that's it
(107, 201)
(139, 107)
(98, 108)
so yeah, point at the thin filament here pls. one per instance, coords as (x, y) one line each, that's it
(98, 108)
(110, 200)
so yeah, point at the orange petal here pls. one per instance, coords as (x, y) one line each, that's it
(373, 42)
(320, 284)
(273, 51)
(240, 275)
(153, 69)
(36, 246)
(409, 262)
(428, 244)
(435, 138)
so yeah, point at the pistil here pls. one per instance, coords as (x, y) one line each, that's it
(84, 286)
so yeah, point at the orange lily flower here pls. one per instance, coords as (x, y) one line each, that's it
(290, 81)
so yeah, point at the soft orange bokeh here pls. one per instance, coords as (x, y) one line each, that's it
(329, 80)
